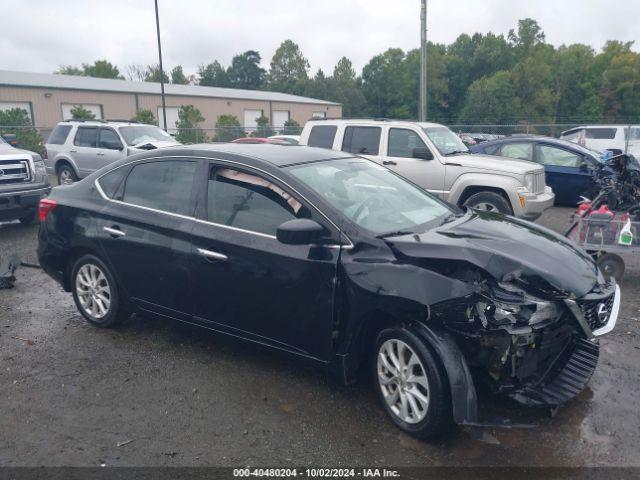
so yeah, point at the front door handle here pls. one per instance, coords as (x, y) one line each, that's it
(100, 154)
(73, 151)
(212, 255)
(114, 232)
(389, 162)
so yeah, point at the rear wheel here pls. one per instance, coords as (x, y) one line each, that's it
(410, 384)
(66, 175)
(95, 292)
(489, 202)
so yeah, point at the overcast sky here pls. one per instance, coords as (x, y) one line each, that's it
(40, 35)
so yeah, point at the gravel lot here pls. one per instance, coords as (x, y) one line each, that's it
(154, 393)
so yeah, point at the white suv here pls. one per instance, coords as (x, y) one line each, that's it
(624, 138)
(434, 157)
(77, 148)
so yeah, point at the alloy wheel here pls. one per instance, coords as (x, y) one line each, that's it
(403, 381)
(93, 291)
(65, 177)
(485, 207)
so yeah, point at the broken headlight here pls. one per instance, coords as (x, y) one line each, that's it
(530, 311)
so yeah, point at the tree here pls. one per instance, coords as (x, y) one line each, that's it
(345, 88)
(78, 112)
(145, 115)
(288, 70)
(16, 121)
(529, 36)
(491, 100)
(318, 86)
(152, 74)
(69, 70)
(263, 129)
(291, 127)
(178, 76)
(228, 128)
(188, 125)
(213, 75)
(386, 86)
(136, 72)
(245, 71)
(101, 69)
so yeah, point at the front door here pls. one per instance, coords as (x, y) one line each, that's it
(564, 174)
(145, 234)
(247, 283)
(110, 148)
(428, 174)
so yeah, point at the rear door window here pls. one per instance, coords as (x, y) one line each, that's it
(521, 151)
(244, 200)
(322, 136)
(165, 185)
(362, 140)
(86, 137)
(59, 135)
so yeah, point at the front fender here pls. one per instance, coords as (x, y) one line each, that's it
(62, 159)
(503, 182)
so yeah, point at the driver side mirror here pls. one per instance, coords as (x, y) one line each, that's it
(300, 231)
(112, 145)
(422, 153)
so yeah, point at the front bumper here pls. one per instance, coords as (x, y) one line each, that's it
(530, 206)
(588, 310)
(20, 203)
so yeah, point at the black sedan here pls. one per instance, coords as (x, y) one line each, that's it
(569, 168)
(336, 260)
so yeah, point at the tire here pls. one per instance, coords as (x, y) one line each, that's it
(431, 418)
(489, 202)
(102, 308)
(611, 265)
(66, 175)
(28, 219)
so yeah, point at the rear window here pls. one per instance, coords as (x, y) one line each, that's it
(322, 136)
(86, 137)
(59, 135)
(600, 133)
(362, 140)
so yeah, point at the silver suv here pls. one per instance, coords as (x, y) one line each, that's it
(78, 148)
(23, 182)
(434, 157)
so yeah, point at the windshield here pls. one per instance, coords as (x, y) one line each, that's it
(144, 133)
(447, 142)
(372, 196)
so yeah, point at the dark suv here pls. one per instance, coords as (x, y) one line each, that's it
(338, 261)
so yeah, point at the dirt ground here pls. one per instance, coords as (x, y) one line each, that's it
(155, 393)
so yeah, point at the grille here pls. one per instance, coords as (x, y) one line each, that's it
(591, 309)
(14, 171)
(538, 182)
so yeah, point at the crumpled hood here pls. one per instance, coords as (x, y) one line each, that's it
(142, 146)
(532, 257)
(493, 163)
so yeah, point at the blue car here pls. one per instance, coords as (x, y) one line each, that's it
(569, 168)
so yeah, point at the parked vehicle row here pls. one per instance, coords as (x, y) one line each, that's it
(331, 258)
(433, 157)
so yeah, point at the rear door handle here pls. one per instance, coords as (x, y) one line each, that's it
(212, 255)
(389, 162)
(73, 151)
(100, 154)
(114, 232)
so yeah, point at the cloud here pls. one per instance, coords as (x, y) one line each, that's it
(41, 35)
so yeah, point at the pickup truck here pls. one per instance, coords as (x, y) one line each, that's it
(433, 157)
(23, 182)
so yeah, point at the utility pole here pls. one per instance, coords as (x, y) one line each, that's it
(423, 62)
(164, 106)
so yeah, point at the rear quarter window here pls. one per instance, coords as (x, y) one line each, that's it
(600, 133)
(111, 183)
(59, 135)
(322, 136)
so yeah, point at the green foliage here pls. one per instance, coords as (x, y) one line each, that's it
(99, 69)
(16, 121)
(152, 74)
(188, 125)
(264, 129)
(228, 128)
(245, 71)
(291, 127)
(78, 112)
(213, 75)
(289, 67)
(69, 70)
(178, 76)
(491, 100)
(144, 115)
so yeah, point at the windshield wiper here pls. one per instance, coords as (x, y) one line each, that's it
(456, 152)
(395, 234)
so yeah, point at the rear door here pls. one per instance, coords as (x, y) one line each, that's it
(247, 283)
(145, 233)
(364, 141)
(84, 150)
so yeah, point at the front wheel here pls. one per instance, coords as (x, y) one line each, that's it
(95, 292)
(489, 202)
(410, 383)
(611, 265)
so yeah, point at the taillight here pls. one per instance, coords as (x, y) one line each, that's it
(46, 205)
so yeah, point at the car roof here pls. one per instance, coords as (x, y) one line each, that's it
(373, 121)
(94, 123)
(536, 138)
(275, 155)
